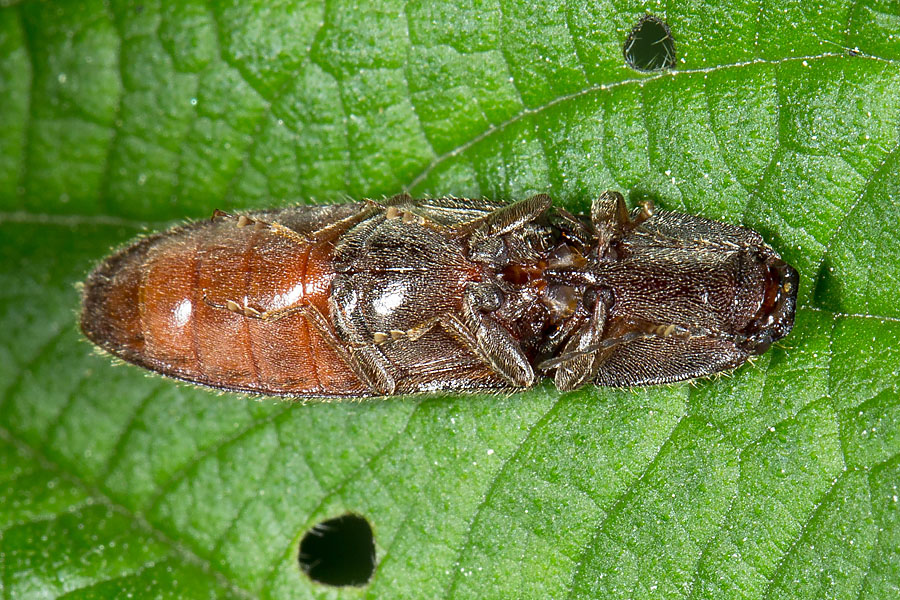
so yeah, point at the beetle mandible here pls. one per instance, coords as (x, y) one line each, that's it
(406, 296)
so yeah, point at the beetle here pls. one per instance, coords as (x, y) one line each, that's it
(408, 295)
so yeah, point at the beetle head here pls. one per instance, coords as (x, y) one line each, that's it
(775, 317)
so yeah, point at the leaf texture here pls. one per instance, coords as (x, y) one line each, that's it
(780, 481)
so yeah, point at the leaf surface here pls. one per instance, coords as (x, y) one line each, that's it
(780, 481)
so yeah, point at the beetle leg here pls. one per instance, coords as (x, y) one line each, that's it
(453, 325)
(494, 343)
(581, 357)
(506, 218)
(404, 208)
(395, 200)
(362, 360)
(329, 233)
(242, 221)
(559, 335)
(395, 207)
(367, 360)
(515, 215)
(325, 234)
(610, 209)
(239, 220)
(502, 355)
(485, 243)
(611, 219)
(270, 316)
(573, 228)
(609, 216)
(480, 333)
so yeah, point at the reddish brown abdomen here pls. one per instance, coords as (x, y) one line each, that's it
(162, 304)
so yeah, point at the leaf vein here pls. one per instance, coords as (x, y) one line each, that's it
(350, 477)
(492, 486)
(603, 88)
(179, 475)
(782, 563)
(98, 495)
(619, 504)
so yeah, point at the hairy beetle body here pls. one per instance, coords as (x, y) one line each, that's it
(407, 296)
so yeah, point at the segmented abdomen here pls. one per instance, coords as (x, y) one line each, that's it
(189, 304)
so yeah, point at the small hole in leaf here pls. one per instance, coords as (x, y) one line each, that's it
(650, 45)
(339, 551)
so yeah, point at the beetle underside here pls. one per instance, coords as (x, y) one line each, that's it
(407, 296)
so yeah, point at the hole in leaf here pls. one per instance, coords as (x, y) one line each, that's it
(650, 46)
(339, 551)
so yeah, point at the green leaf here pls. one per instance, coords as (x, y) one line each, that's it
(779, 481)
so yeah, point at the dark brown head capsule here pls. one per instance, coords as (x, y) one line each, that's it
(406, 296)
(775, 317)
